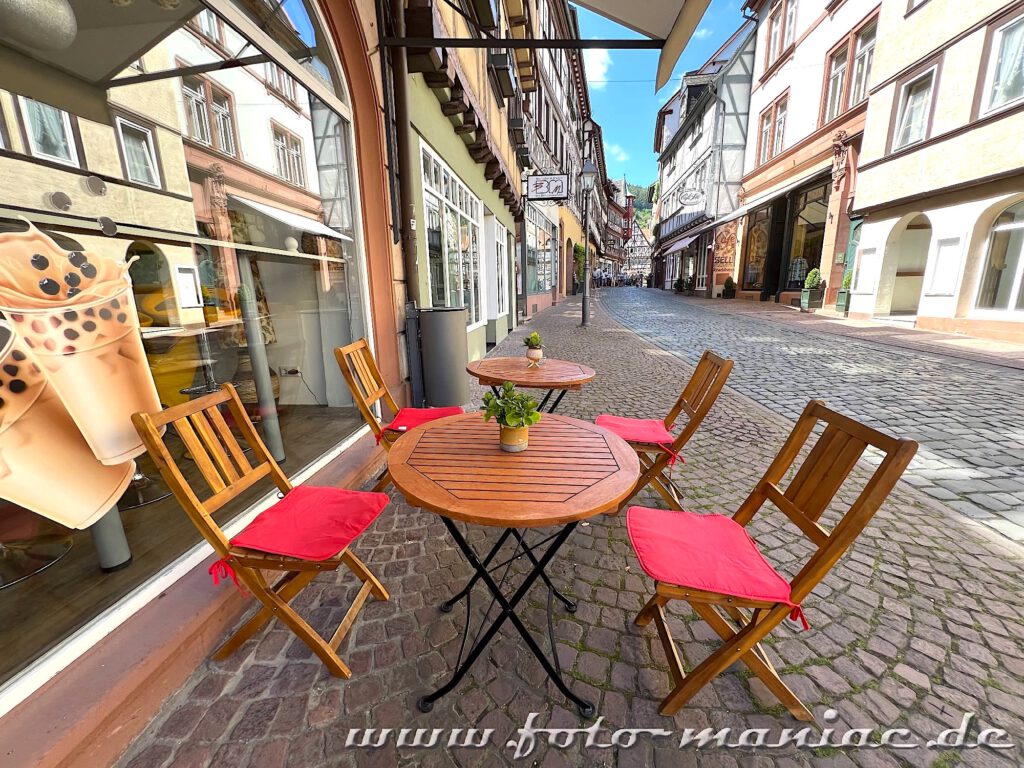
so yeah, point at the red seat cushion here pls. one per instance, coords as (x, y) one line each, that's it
(707, 552)
(409, 418)
(636, 430)
(312, 523)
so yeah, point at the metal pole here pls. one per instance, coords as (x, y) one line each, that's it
(586, 260)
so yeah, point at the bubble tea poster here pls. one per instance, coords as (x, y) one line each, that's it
(74, 349)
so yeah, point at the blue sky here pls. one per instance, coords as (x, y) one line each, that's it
(622, 86)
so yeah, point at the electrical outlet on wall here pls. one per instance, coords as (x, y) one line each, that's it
(286, 371)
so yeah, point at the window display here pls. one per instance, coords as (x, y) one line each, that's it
(197, 230)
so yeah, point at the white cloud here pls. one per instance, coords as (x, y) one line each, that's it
(703, 32)
(615, 152)
(596, 62)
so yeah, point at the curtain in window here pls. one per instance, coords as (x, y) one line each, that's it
(1008, 83)
(49, 133)
(137, 157)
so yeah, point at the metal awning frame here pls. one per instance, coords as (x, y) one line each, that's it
(523, 44)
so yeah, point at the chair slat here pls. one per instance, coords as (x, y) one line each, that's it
(217, 451)
(228, 439)
(199, 455)
(237, 488)
(811, 529)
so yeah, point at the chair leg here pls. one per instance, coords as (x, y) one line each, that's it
(383, 482)
(287, 588)
(358, 567)
(757, 662)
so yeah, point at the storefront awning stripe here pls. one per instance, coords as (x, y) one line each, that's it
(292, 220)
(678, 245)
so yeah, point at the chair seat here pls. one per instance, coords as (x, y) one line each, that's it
(409, 418)
(637, 430)
(712, 553)
(312, 523)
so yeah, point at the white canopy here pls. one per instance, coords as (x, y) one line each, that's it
(673, 21)
(291, 220)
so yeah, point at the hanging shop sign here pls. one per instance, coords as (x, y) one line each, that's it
(547, 186)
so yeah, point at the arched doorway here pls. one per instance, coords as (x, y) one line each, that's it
(906, 257)
(1000, 288)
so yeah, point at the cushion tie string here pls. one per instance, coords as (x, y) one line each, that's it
(797, 614)
(222, 569)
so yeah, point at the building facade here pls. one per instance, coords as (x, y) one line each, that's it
(638, 254)
(808, 106)
(941, 177)
(701, 135)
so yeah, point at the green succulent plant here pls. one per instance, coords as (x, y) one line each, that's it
(813, 279)
(510, 408)
(533, 341)
(847, 281)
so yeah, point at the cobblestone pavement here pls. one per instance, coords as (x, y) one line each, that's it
(922, 621)
(967, 415)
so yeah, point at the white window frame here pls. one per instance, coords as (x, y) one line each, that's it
(150, 147)
(864, 271)
(224, 122)
(931, 72)
(1018, 281)
(863, 60)
(939, 280)
(993, 62)
(788, 34)
(289, 156)
(69, 133)
(195, 103)
(501, 263)
(779, 131)
(836, 84)
(466, 205)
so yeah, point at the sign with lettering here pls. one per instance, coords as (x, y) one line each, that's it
(547, 186)
(688, 197)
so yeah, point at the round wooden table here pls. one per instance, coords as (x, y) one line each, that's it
(572, 470)
(552, 375)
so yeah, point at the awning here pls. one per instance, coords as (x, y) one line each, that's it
(679, 244)
(671, 21)
(291, 220)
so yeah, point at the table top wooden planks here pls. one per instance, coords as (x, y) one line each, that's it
(550, 374)
(571, 470)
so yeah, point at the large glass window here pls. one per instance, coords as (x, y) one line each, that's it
(1000, 286)
(1004, 82)
(864, 55)
(836, 84)
(915, 104)
(807, 233)
(501, 265)
(541, 251)
(453, 239)
(758, 227)
(237, 276)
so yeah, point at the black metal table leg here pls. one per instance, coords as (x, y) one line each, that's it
(545, 400)
(426, 703)
(570, 606)
(558, 400)
(495, 390)
(447, 605)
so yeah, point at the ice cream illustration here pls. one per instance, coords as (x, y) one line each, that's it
(45, 464)
(76, 318)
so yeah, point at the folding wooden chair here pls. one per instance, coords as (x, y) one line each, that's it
(652, 439)
(306, 533)
(712, 563)
(368, 388)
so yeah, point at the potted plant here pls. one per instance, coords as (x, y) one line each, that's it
(812, 295)
(689, 284)
(534, 349)
(729, 289)
(515, 413)
(678, 285)
(843, 297)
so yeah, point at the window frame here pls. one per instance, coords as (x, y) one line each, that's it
(292, 140)
(899, 104)
(844, 82)
(1017, 287)
(198, 28)
(70, 123)
(990, 59)
(209, 90)
(120, 121)
(771, 114)
(847, 44)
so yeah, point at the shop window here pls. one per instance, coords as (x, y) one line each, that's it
(501, 266)
(1004, 81)
(49, 132)
(758, 227)
(1000, 287)
(541, 252)
(139, 152)
(453, 242)
(807, 233)
(914, 107)
(288, 160)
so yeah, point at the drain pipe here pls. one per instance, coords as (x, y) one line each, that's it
(406, 195)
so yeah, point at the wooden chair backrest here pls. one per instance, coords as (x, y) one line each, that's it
(362, 375)
(699, 394)
(818, 480)
(216, 452)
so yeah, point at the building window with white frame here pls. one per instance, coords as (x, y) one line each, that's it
(1000, 287)
(280, 82)
(914, 106)
(789, 31)
(945, 268)
(288, 157)
(501, 265)
(779, 131)
(453, 216)
(864, 54)
(197, 118)
(49, 132)
(1004, 81)
(220, 106)
(138, 148)
(836, 84)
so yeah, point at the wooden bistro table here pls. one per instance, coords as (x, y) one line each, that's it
(552, 375)
(571, 471)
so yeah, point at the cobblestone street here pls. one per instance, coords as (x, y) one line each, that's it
(921, 622)
(967, 415)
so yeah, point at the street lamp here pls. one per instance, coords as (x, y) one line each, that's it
(588, 178)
